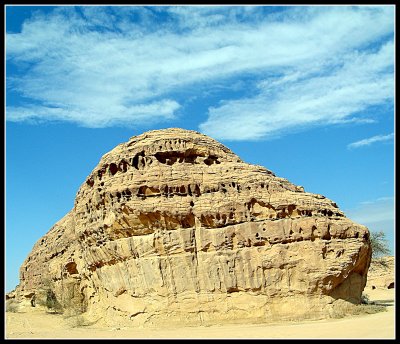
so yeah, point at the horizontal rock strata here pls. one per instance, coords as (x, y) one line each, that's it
(172, 226)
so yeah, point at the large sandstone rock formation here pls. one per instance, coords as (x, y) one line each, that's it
(381, 273)
(172, 226)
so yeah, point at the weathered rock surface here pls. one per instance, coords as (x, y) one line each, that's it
(381, 273)
(172, 226)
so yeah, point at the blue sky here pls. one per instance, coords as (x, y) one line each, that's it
(306, 91)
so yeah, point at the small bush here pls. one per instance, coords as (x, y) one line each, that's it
(68, 301)
(77, 321)
(351, 309)
(11, 306)
(379, 244)
(52, 303)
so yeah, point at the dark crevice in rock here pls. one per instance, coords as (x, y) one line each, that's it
(137, 160)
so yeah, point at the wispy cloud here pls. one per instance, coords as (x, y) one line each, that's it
(369, 141)
(369, 212)
(102, 66)
(332, 85)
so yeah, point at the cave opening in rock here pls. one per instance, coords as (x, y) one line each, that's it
(113, 168)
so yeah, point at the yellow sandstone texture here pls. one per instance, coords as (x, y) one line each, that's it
(173, 227)
(381, 273)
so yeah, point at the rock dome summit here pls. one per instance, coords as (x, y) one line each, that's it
(173, 227)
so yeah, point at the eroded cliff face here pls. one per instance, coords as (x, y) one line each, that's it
(172, 226)
(381, 273)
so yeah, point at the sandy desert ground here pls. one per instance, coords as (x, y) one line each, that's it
(378, 325)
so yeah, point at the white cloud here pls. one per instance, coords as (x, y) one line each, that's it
(371, 140)
(92, 117)
(308, 95)
(102, 66)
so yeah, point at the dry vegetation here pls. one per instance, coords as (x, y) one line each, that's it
(355, 322)
(11, 306)
(362, 309)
